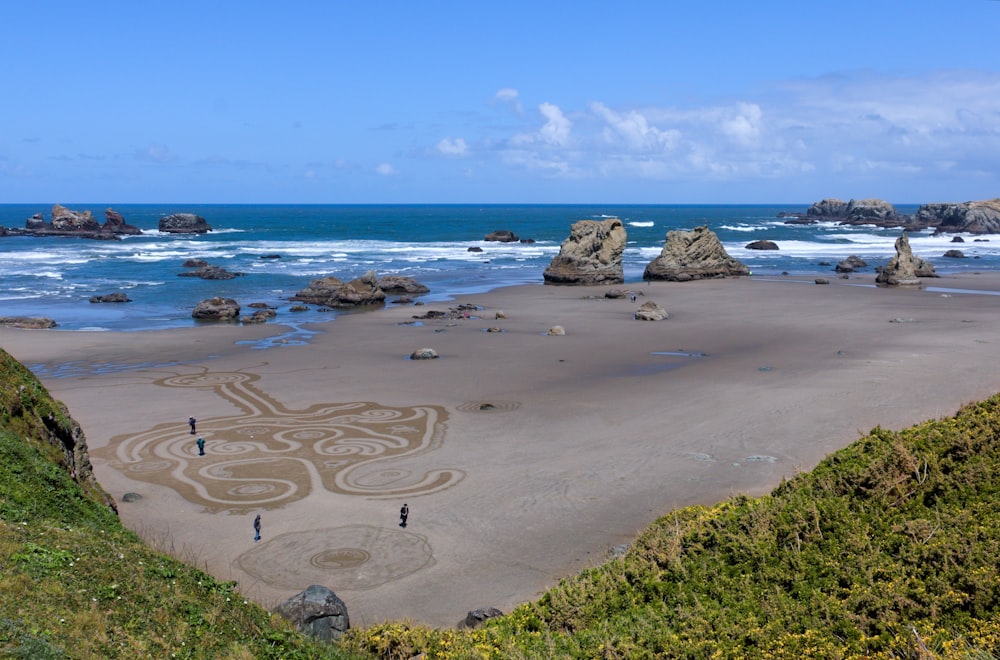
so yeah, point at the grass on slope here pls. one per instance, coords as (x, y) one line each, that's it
(888, 549)
(75, 583)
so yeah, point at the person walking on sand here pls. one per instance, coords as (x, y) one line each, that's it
(201, 446)
(191, 423)
(404, 513)
(256, 529)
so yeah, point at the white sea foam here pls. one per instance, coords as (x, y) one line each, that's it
(638, 223)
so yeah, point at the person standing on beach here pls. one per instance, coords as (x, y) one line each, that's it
(201, 446)
(191, 423)
(256, 529)
(404, 513)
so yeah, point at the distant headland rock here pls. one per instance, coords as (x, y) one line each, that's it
(982, 217)
(77, 224)
(184, 223)
(592, 254)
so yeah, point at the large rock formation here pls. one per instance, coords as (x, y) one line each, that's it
(28, 322)
(905, 269)
(332, 292)
(79, 224)
(184, 223)
(115, 223)
(217, 309)
(875, 212)
(693, 255)
(397, 284)
(592, 254)
(317, 612)
(969, 217)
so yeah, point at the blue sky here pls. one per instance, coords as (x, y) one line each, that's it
(507, 102)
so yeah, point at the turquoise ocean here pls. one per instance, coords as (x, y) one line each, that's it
(55, 277)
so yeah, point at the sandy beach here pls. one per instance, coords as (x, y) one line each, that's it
(522, 457)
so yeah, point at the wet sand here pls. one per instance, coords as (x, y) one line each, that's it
(523, 457)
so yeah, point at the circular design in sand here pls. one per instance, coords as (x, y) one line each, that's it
(488, 406)
(267, 455)
(353, 557)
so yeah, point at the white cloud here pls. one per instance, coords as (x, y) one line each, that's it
(155, 153)
(450, 147)
(385, 169)
(555, 132)
(509, 96)
(857, 124)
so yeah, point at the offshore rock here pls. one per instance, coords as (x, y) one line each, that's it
(693, 255)
(762, 245)
(592, 254)
(111, 298)
(904, 269)
(217, 309)
(968, 217)
(115, 223)
(208, 272)
(502, 236)
(79, 224)
(184, 223)
(317, 612)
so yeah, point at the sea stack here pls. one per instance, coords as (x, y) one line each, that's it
(592, 254)
(693, 255)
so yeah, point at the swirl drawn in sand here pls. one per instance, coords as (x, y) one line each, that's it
(348, 558)
(268, 456)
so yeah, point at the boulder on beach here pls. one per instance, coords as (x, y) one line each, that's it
(592, 254)
(556, 331)
(28, 322)
(424, 354)
(184, 223)
(396, 284)
(475, 618)
(217, 309)
(318, 612)
(332, 292)
(693, 255)
(850, 264)
(650, 311)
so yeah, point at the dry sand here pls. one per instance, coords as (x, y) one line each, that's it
(523, 457)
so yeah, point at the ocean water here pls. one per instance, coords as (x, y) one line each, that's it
(55, 277)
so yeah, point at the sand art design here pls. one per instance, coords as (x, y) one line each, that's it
(353, 557)
(269, 456)
(488, 406)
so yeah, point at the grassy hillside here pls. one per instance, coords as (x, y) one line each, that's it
(74, 583)
(888, 549)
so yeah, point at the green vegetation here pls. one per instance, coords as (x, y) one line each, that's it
(888, 549)
(75, 584)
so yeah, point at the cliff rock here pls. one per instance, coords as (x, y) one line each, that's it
(968, 217)
(396, 284)
(592, 254)
(693, 255)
